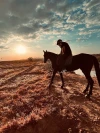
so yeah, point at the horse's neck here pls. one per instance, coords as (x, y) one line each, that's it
(52, 58)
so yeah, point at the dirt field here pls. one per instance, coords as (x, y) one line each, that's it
(28, 106)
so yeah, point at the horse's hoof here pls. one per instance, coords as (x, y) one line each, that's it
(62, 87)
(49, 86)
(87, 96)
(84, 91)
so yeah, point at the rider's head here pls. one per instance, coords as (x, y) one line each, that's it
(59, 42)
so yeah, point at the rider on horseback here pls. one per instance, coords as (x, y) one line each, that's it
(65, 56)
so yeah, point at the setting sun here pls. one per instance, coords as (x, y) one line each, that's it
(20, 49)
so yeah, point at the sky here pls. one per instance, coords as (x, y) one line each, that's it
(36, 25)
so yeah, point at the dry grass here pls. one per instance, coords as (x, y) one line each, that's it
(27, 106)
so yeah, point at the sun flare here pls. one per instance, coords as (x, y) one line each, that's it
(20, 49)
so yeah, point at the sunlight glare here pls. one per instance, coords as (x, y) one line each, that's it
(20, 49)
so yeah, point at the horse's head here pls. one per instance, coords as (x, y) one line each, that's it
(45, 56)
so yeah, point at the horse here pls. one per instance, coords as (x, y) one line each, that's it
(81, 61)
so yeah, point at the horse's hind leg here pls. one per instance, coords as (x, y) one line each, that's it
(62, 80)
(87, 77)
(90, 82)
(91, 85)
(86, 88)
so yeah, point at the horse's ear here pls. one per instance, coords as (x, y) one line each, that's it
(46, 50)
(43, 51)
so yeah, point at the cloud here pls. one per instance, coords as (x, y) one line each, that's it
(92, 9)
(31, 19)
(89, 31)
(38, 46)
(91, 4)
(3, 48)
(24, 8)
(77, 18)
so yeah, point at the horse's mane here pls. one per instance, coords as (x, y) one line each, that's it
(52, 53)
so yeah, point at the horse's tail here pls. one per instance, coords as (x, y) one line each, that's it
(97, 69)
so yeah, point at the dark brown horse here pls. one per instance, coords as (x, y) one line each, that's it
(81, 61)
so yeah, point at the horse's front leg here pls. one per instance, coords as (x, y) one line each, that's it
(54, 72)
(86, 88)
(62, 79)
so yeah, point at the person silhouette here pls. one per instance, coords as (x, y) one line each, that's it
(65, 57)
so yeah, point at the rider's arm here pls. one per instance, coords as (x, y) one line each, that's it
(63, 50)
